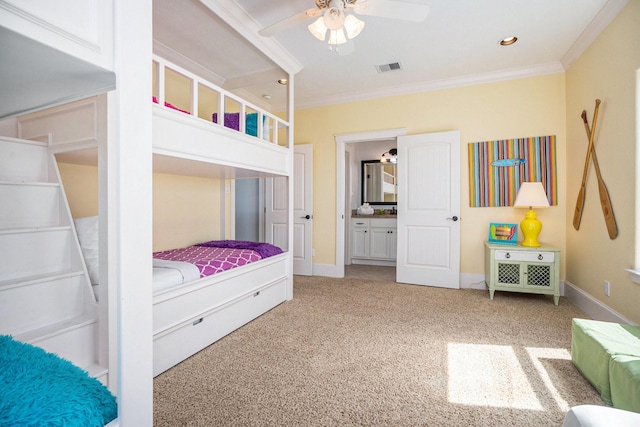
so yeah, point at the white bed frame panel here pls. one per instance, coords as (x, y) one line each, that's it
(80, 28)
(172, 129)
(195, 315)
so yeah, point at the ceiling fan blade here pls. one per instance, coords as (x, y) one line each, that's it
(289, 22)
(392, 9)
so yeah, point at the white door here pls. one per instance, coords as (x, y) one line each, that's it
(303, 209)
(429, 209)
(276, 218)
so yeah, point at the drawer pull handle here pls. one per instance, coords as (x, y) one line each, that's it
(196, 322)
(256, 294)
(507, 255)
(540, 257)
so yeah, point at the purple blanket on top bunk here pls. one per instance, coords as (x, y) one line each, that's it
(264, 249)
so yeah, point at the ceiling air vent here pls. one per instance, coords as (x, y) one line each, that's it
(388, 67)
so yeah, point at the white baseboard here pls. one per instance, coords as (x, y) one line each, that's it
(593, 307)
(472, 281)
(467, 280)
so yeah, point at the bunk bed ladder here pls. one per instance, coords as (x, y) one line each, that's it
(45, 293)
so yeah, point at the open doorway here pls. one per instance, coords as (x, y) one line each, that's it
(345, 198)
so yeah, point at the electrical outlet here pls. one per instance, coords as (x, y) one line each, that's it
(607, 288)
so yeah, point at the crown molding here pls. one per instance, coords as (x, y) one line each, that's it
(248, 28)
(434, 85)
(607, 14)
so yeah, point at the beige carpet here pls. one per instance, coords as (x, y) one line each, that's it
(373, 353)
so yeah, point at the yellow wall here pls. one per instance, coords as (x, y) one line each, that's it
(81, 186)
(607, 70)
(511, 109)
(186, 209)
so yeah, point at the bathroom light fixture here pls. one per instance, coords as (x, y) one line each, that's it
(339, 25)
(390, 156)
(531, 195)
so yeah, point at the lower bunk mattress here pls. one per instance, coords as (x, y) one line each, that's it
(228, 292)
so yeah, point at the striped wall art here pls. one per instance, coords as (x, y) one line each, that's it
(496, 169)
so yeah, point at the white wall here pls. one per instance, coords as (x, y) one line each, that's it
(9, 127)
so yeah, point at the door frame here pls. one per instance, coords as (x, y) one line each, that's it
(341, 210)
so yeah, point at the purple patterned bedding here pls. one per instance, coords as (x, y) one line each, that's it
(210, 260)
(264, 249)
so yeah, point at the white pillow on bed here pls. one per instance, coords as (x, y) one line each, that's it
(87, 230)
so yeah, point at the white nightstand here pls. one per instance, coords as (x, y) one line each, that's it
(522, 269)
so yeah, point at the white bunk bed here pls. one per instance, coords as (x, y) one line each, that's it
(193, 315)
(80, 42)
(190, 316)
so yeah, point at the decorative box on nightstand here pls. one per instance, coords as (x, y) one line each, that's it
(522, 269)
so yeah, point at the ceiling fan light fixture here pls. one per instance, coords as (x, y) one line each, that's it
(337, 37)
(318, 29)
(338, 25)
(353, 26)
(333, 18)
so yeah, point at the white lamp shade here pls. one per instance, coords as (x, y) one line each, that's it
(318, 29)
(353, 26)
(531, 195)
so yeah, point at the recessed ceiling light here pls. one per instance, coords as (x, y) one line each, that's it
(283, 81)
(508, 41)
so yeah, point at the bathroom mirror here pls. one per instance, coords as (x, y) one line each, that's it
(379, 183)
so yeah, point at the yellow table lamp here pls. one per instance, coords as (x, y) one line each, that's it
(531, 195)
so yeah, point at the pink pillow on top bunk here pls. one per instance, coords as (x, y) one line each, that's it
(166, 104)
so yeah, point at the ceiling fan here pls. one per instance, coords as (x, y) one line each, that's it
(339, 25)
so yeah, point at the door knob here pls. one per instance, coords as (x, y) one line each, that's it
(306, 217)
(453, 218)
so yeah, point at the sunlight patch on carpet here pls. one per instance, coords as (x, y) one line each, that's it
(488, 375)
(539, 354)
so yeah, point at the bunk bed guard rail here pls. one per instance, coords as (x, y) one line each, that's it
(236, 113)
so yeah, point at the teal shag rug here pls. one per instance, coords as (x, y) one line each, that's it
(41, 389)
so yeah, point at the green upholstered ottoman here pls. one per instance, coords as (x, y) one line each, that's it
(593, 343)
(624, 374)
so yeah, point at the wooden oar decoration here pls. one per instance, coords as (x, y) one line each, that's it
(577, 214)
(605, 201)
